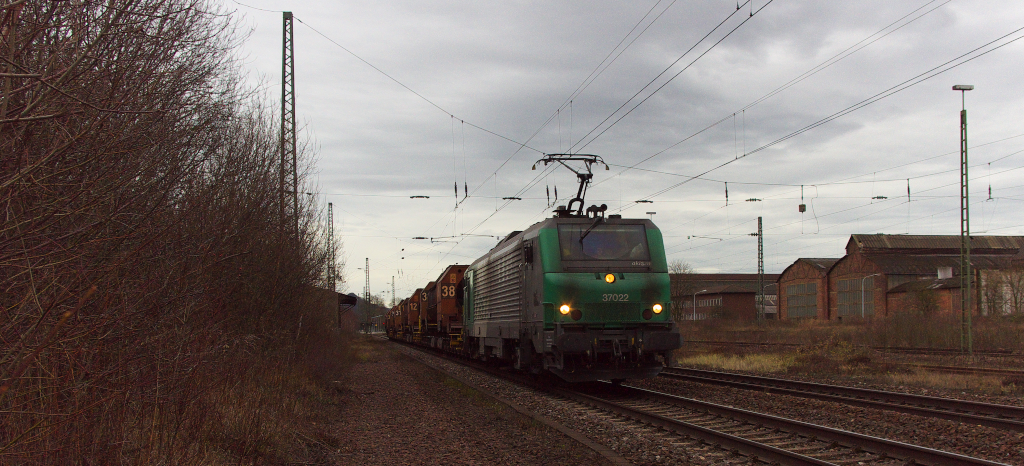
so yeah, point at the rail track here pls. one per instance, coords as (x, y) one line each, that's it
(992, 415)
(884, 349)
(754, 436)
(728, 435)
(968, 370)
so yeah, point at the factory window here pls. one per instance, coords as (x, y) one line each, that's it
(850, 293)
(802, 300)
(712, 302)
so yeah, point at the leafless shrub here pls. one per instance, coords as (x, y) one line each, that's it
(141, 253)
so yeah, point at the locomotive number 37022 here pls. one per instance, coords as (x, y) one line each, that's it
(615, 297)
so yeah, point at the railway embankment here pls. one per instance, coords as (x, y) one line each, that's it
(391, 408)
(839, 363)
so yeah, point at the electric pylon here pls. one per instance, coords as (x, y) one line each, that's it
(289, 171)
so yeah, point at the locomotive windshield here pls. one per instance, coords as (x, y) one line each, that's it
(603, 242)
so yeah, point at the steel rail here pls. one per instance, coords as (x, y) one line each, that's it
(890, 349)
(907, 452)
(973, 412)
(754, 450)
(968, 370)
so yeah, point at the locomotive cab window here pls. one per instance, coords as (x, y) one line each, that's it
(603, 242)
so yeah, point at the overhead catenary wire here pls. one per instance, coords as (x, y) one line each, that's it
(522, 145)
(931, 73)
(652, 81)
(465, 190)
(812, 71)
(598, 70)
(582, 87)
(724, 230)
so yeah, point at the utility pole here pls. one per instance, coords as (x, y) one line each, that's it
(965, 231)
(392, 291)
(759, 297)
(366, 297)
(760, 271)
(289, 172)
(330, 244)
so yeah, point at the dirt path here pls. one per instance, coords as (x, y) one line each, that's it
(394, 410)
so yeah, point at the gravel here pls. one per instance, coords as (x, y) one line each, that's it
(978, 441)
(638, 444)
(395, 410)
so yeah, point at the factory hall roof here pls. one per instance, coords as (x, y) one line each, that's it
(932, 244)
(724, 283)
(724, 277)
(909, 264)
(820, 264)
(922, 285)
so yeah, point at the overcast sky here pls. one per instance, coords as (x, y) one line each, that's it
(506, 71)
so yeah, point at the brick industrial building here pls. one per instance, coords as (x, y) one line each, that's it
(698, 296)
(883, 274)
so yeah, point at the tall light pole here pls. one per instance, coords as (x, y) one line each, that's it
(965, 230)
(862, 294)
(760, 267)
(695, 293)
(331, 285)
(651, 214)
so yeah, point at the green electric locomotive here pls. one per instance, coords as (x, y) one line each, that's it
(582, 295)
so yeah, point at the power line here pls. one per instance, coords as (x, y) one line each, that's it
(931, 73)
(417, 94)
(585, 84)
(845, 181)
(814, 70)
(665, 71)
(588, 81)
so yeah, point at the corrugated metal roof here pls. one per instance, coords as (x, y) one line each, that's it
(724, 277)
(908, 264)
(932, 244)
(724, 282)
(822, 264)
(933, 284)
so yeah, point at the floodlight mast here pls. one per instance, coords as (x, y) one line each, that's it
(584, 175)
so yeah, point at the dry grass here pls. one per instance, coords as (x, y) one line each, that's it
(841, 349)
(989, 333)
(967, 382)
(761, 363)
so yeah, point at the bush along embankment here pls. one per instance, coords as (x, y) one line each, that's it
(155, 308)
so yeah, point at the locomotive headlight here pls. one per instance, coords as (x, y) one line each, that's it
(657, 308)
(609, 278)
(564, 309)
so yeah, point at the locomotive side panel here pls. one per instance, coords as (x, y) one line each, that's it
(494, 310)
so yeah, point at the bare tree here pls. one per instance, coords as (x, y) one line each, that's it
(1014, 280)
(141, 241)
(677, 266)
(681, 285)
